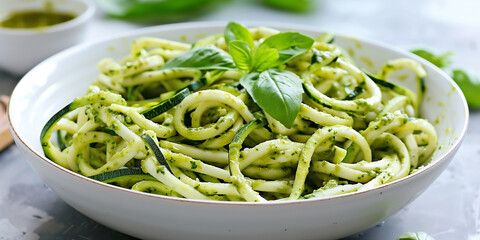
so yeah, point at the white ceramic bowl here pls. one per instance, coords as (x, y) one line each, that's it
(58, 80)
(22, 49)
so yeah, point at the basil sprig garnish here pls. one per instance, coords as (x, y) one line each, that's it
(278, 92)
(288, 44)
(205, 58)
(243, 54)
(235, 31)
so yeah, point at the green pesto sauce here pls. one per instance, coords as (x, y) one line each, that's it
(35, 19)
(402, 77)
(367, 61)
(351, 52)
(183, 38)
(448, 130)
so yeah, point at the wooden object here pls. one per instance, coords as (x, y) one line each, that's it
(5, 136)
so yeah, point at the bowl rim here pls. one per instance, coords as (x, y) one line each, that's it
(82, 17)
(216, 24)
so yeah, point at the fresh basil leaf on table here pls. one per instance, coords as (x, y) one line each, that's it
(468, 83)
(470, 86)
(158, 11)
(439, 60)
(289, 5)
(415, 236)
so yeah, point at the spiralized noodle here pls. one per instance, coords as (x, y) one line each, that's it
(353, 132)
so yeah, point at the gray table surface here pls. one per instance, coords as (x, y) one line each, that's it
(449, 209)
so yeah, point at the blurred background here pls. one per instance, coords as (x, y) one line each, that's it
(449, 209)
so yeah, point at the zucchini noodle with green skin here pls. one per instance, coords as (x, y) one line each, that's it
(194, 131)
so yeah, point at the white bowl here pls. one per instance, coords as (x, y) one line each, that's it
(58, 80)
(22, 49)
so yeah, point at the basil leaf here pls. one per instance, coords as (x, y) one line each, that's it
(289, 5)
(468, 83)
(235, 31)
(204, 58)
(241, 54)
(277, 92)
(441, 60)
(248, 81)
(265, 58)
(288, 44)
(415, 236)
(470, 86)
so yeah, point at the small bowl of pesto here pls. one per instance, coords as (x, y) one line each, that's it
(31, 31)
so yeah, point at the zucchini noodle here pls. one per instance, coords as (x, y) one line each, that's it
(354, 131)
